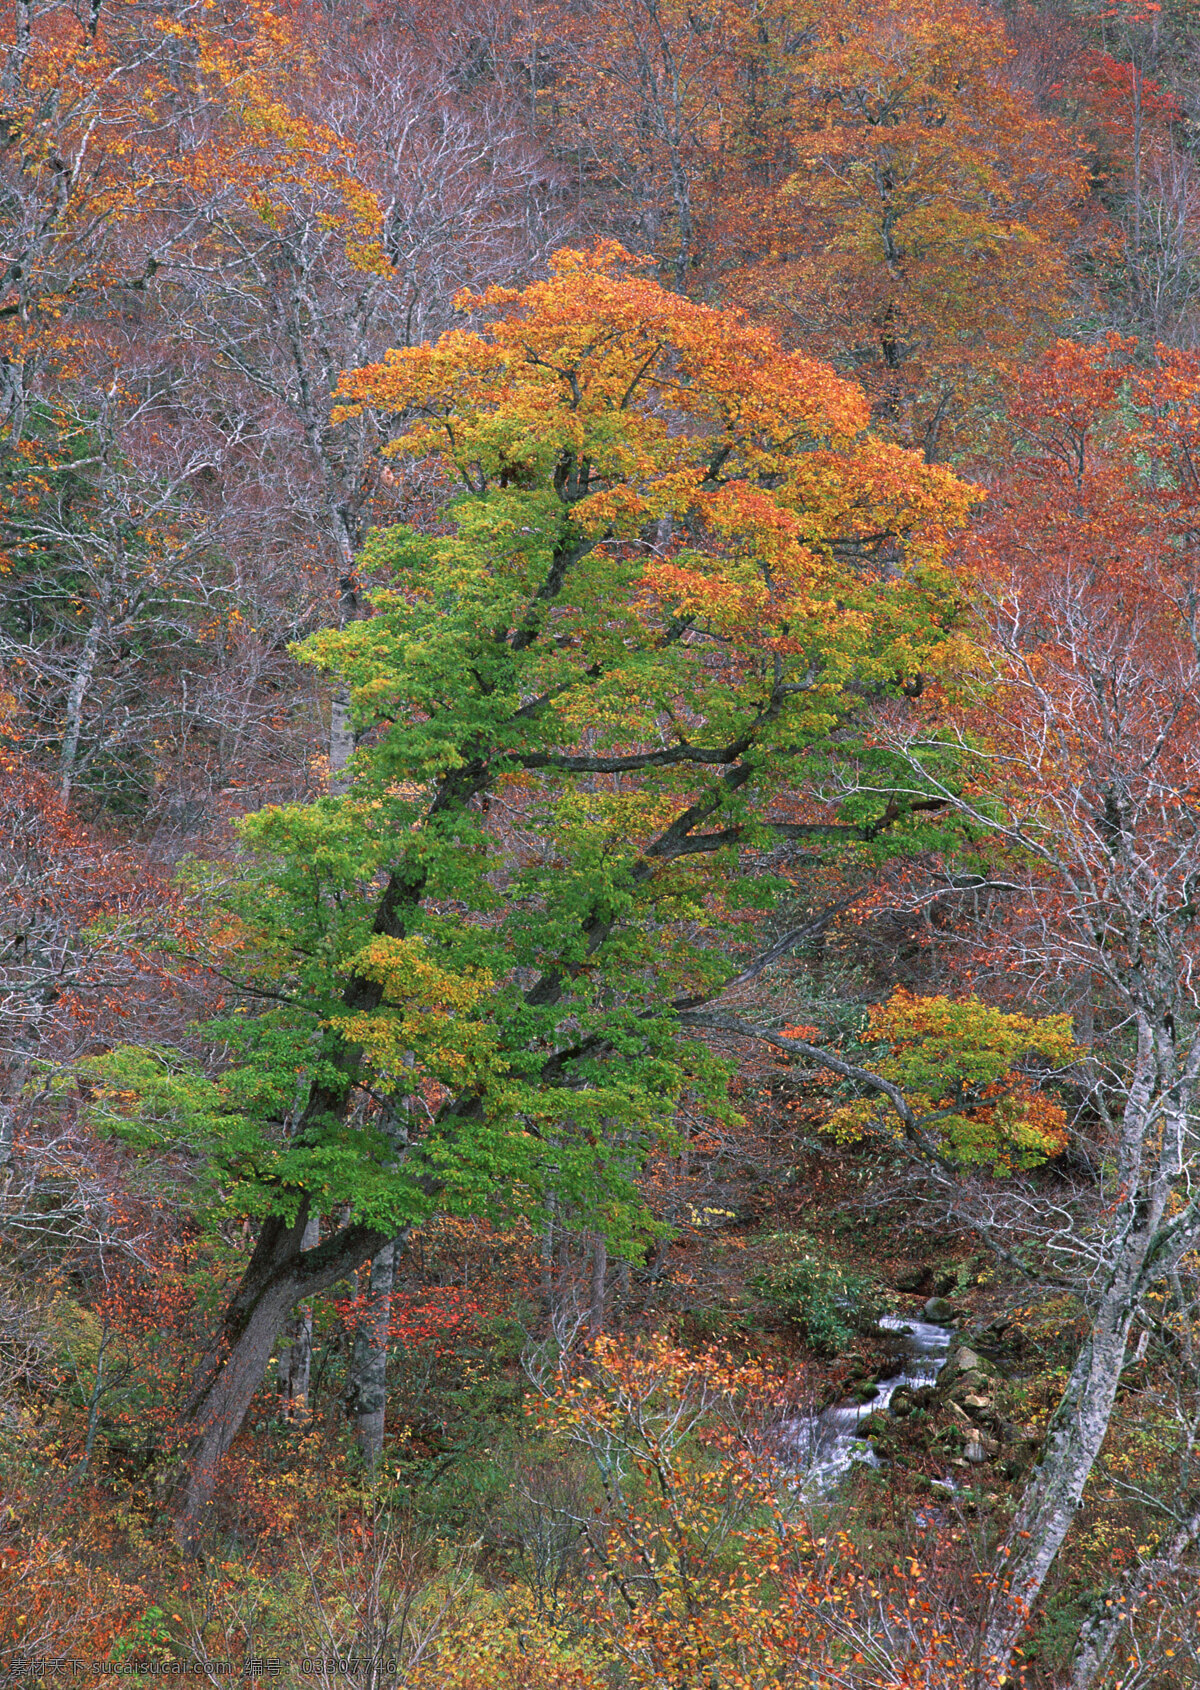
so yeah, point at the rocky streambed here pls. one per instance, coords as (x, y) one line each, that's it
(938, 1378)
(824, 1446)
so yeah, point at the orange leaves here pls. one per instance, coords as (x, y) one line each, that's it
(964, 1070)
(600, 340)
(597, 406)
(633, 404)
(703, 1567)
(922, 239)
(114, 130)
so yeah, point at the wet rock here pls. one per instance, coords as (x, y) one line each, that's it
(964, 1360)
(871, 1426)
(902, 1403)
(865, 1391)
(974, 1401)
(938, 1311)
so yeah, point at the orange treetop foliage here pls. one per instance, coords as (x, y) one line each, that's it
(923, 239)
(701, 404)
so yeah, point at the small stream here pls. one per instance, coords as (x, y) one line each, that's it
(824, 1446)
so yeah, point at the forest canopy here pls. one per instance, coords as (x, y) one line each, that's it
(599, 751)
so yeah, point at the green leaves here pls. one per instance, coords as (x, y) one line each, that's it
(652, 610)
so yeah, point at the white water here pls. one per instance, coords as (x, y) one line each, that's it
(823, 1446)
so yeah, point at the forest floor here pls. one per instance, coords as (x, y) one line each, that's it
(471, 1501)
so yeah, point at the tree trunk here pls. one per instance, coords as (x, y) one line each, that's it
(341, 742)
(1100, 1631)
(599, 1274)
(547, 1262)
(81, 681)
(366, 1387)
(295, 1361)
(1073, 1438)
(279, 1275)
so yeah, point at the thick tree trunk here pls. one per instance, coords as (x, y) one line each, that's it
(279, 1275)
(366, 1386)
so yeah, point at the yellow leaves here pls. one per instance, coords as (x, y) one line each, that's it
(428, 1015)
(612, 349)
(958, 1064)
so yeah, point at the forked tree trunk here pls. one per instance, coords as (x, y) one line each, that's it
(280, 1274)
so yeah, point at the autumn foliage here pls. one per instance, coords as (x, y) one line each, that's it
(599, 675)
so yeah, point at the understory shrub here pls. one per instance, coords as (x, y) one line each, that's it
(828, 1301)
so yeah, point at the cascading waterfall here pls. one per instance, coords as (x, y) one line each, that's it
(824, 1446)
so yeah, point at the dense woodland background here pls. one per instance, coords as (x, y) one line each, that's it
(552, 875)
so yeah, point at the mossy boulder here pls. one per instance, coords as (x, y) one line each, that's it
(938, 1311)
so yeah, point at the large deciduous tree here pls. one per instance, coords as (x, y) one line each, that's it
(674, 564)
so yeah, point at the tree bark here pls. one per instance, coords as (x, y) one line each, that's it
(366, 1387)
(295, 1362)
(599, 1275)
(1147, 1244)
(76, 694)
(341, 742)
(1073, 1438)
(279, 1275)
